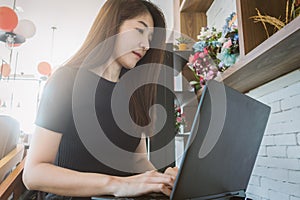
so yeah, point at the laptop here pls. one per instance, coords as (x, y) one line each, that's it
(222, 146)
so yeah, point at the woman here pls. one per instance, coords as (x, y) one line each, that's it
(60, 162)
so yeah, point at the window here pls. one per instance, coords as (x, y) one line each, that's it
(19, 98)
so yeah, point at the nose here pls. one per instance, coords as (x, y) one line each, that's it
(145, 44)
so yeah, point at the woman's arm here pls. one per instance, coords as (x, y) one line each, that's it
(41, 174)
(142, 163)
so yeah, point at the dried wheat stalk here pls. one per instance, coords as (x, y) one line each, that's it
(277, 23)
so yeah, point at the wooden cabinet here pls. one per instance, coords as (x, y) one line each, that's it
(262, 59)
(191, 23)
(193, 16)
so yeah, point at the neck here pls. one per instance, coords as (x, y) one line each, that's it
(110, 71)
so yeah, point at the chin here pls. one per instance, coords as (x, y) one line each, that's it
(129, 65)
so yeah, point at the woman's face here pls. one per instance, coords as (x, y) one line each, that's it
(133, 40)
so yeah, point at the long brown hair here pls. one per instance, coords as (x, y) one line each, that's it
(106, 25)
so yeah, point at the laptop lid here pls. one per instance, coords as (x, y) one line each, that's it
(223, 144)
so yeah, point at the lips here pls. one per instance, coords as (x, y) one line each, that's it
(137, 54)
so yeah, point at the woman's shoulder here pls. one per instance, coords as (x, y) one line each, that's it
(70, 73)
(62, 80)
(64, 73)
(65, 77)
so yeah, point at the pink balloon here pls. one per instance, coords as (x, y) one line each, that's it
(8, 19)
(44, 68)
(5, 70)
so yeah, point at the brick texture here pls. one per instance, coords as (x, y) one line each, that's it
(276, 175)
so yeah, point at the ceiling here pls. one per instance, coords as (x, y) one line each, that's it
(73, 20)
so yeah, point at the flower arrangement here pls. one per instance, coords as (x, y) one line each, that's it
(214, 52)
(179, 118)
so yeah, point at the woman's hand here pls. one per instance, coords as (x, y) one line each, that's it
(148, 182)
(172, 171)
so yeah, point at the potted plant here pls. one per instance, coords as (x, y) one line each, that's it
(182, 43)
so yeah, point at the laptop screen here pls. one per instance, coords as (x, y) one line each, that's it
(223, 144)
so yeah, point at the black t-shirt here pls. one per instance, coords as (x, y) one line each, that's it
(56, 113)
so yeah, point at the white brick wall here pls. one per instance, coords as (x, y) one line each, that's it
(294, 198)
(274, 195)
(293, 152)
(276, 174)
(294, 176)
(276, 151)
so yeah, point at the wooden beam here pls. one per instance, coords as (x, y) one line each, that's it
(195, 5)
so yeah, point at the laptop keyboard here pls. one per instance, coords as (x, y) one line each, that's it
(152, 196)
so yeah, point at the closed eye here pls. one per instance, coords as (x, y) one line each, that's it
(140, 30)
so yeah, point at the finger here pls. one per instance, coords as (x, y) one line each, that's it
(158, 188)
(166, 180)
(153, 177)
(165, 190)
(172, 171)
(158, 174)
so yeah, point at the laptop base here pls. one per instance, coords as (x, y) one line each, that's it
(238, 195)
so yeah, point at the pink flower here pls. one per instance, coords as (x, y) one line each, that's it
(196, 56)
(178, 119)
(210, 75)
(202, 54)
(227, 44)
(201, 81)
(191, 59)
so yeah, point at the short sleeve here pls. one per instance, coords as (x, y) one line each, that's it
(55, 108)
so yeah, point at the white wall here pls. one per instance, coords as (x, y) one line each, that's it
(167, 8)
(276, 174)
(218, 12)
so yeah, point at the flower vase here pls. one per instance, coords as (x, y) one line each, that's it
(198, 94)
(181, 129)
(182, 47)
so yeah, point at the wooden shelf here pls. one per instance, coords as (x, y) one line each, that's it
(273, 58)
(195, 5)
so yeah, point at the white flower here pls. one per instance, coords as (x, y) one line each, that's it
(222, 40)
